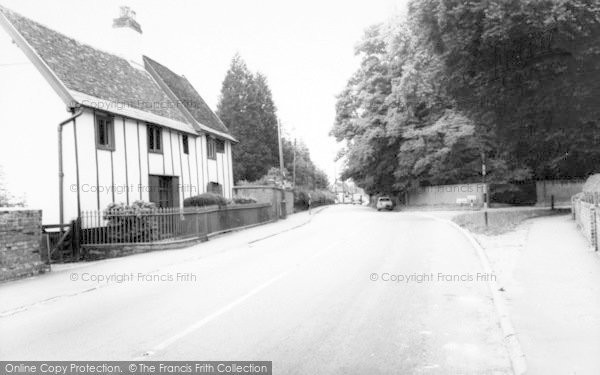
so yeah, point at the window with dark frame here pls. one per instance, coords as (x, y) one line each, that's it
(154, 139)
(211, 149)
(186, 147)
(220, 146)
(105, 133)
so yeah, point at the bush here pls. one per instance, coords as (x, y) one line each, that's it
(133, 223)
(244, 200)
(517, 194)
(592, 184)
(205, 199)
(317, 198)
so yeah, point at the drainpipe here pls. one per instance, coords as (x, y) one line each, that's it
(61, 175)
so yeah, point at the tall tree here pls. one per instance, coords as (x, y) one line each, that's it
(267, 113)
(308, 175)
(525, 72)
(399, 124)
(457, 80)
(247, 108)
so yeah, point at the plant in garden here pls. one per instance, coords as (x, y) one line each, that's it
(204, 200)
(134, 223)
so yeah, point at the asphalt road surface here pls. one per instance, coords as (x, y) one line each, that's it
(354, 291)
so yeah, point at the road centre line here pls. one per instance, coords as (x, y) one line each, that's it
(207, 319)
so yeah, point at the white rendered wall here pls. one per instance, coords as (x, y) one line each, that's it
(29, 115)
(30, 111)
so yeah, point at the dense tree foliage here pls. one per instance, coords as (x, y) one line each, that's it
(457, 81)
(307, 173)
(247, 108)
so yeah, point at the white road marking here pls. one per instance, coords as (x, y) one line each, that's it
(199, 324)
(202, 322)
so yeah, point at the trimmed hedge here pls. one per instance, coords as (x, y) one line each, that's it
(317, 198)
(244, 200)
(205, 199)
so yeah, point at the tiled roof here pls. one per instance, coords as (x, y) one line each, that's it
(188, 96)
(85, 70)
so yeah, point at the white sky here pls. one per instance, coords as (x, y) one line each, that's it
(305, 48)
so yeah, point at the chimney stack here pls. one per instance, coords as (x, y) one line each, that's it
(127, 37)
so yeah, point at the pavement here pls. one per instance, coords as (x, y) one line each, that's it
(551, 282)
(352, 291)
(20, 294)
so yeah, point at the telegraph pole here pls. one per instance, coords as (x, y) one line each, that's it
(294, 166)
(281, 167)
(483, 173)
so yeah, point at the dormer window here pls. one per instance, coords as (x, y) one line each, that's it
(105, 134)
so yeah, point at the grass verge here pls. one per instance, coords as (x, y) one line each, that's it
(499, 222)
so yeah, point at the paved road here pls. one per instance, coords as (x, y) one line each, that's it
(303, 299)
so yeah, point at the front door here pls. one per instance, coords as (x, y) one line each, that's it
(164, 190)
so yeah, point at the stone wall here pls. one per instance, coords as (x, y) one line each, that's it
(20, 237)
(447, 195)
(267, 194)
(561, 190)
(289, 201)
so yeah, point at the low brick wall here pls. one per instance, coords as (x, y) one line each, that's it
(97, 252)
(20, 236)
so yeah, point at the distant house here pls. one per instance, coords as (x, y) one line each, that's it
(348, 192)
(132, 130)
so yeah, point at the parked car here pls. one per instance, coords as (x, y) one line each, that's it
(384, 203)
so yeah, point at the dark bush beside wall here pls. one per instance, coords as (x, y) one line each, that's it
(517, 194)
(318, 198)
(205, 199)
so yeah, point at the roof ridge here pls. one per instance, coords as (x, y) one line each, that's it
(81, 67)
(210, 119)
(45, 26)
(205, 103)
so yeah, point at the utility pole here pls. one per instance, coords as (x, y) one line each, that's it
(294, 166)
(281, 167)
(483, 172)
